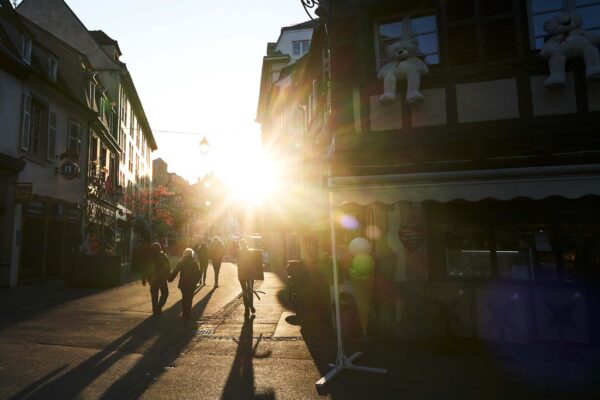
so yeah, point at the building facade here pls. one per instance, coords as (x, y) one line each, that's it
(480, 201)
(122, 140)
(47, 134)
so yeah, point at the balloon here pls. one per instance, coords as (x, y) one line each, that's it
(359, 245)
(362, 265)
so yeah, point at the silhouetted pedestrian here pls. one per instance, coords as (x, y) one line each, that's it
(246, 269)
(190, 275)
(141, 258)
(202, 256)
(157, 276)
(216, 252)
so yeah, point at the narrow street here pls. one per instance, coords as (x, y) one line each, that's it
(76, 343)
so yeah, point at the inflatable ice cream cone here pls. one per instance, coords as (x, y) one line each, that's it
(362, 276)
(362, 288)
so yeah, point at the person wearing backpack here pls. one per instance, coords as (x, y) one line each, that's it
(190, 275)
(217, 252)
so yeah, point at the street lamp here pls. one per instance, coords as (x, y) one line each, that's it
(204, 146)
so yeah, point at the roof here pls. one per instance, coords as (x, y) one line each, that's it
(102, 38)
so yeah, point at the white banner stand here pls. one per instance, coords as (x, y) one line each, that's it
(342, 361)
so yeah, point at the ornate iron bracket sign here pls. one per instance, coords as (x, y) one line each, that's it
(318, 6)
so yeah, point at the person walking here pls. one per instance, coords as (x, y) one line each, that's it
(190, 275)
(141, 257)
(216, 252)
(246, 269)
(157, 276)
(202, 256)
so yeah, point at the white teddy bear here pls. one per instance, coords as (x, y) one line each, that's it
(568, 40)
(403, 65)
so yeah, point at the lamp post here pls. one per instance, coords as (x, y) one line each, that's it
(204, 148)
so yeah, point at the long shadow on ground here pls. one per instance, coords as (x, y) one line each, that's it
(240, 383)
(159, 340)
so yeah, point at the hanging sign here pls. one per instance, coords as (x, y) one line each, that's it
(69, 170)
(411, 236)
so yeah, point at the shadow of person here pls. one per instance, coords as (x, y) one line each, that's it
(240, 383)
(158, 340)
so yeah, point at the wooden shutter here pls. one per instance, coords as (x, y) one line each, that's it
(481, 31)
(345, 55)
(462, 32)
(26, 122)
(51, 148)
(499, 30)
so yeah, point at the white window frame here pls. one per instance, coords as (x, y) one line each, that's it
(568, 6)
(26, 48)
(405, 19)
(26, 122)
(51, 145)
(76, 139)
(304, 46)
(52, 67)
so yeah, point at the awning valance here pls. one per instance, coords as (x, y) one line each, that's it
(501, 184)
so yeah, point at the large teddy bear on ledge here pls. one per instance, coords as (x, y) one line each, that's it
(568, 40)
(404, 64)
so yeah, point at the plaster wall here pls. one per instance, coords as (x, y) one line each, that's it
(288, 37)
(46, 182)
(56, 17)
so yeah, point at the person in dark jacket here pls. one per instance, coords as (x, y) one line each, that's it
(216, 252)
(202, 256)
(141, 257)
(246, 277)
(157, 276)
(190, 275)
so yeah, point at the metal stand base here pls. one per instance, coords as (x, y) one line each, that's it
(346, 363)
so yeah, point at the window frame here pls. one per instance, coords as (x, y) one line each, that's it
(79, 139)
(52, 67)
(26, 48)
(301, 43)
(405, 19)
(567, 6)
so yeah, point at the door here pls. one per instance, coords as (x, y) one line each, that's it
(54, 251)
(32, 249)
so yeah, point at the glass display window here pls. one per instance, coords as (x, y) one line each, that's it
(468, 252)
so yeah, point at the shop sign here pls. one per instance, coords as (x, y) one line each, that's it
(411, 237)
(73, 214)
(36, 208)
(23, 193)
(69, 170)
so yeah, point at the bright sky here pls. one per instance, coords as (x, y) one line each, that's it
(196, 65)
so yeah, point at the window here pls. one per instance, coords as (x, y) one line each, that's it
(468, 252)
(300, 47)
(93, 149)
(26, 48)
(51, 138)
(74, 140)
(52, 67)
(422, 28)
(542, 10)
(34, 132)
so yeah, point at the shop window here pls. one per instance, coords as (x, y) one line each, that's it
(468, 252)
(514, 255)
(542, 10)
(422, 28)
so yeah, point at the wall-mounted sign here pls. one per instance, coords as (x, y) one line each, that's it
(69, 169)
(23, 193)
